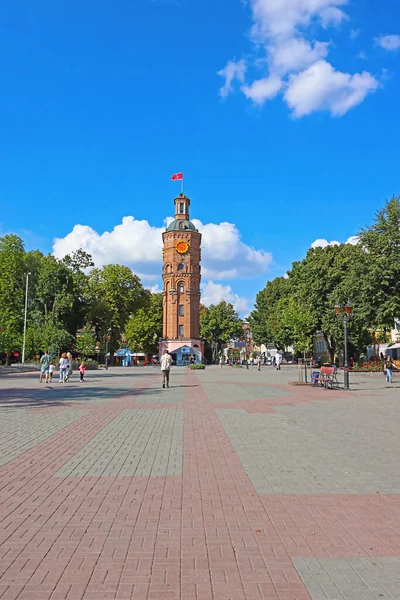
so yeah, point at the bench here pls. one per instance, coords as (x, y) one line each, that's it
(326, 378)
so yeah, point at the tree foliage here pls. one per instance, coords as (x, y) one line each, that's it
(144, 328)
(288, 311)
(219, 324)
(85, 345)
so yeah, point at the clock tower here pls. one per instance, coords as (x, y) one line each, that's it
(181, 286)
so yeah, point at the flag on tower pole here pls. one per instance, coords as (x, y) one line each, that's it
(178, 177)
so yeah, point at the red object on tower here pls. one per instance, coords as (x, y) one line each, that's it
(177, 177)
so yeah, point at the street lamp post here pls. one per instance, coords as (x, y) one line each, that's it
(346, 316)
(107, 338)
(247, 346)
(25, 317)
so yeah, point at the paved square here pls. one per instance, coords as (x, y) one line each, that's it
(230, 485)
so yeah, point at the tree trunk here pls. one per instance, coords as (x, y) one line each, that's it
(214, 348)
(331, 348)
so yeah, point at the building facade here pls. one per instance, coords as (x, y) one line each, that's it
(181, 287)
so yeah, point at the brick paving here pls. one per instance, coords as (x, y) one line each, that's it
(230, 485)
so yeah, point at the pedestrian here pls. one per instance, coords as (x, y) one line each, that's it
(165, 367)
(51, 371)
(273, 361)
(259, 363)
(63, 367)
(44, 369)
(82, 369)
(69, 367)
(278, 360)
(389, 366)
(221, 361)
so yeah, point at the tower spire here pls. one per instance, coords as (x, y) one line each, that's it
(182, 204)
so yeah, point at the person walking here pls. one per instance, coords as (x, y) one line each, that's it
(389, 366)
(221, 361)
(278, 360)
(82, 369)
(165, 362)
(44, 369)
(63, 367)
(259, 363)
(51, 371)
(69, 367)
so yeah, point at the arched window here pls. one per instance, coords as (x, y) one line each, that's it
(181, 288)
(168, 268)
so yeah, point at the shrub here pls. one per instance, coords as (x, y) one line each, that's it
(197, 367)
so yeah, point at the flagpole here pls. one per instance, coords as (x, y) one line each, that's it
(182, 185)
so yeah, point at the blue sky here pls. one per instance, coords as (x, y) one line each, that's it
(102, 102)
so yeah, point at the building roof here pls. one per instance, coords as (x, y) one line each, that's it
(176, 225)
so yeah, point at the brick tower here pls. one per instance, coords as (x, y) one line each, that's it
(181, 282)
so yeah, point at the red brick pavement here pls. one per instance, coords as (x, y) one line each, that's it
(206, 536)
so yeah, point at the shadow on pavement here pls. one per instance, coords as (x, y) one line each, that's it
(64, 395)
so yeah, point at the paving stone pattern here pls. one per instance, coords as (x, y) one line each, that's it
(351, 578)
(21, 430)
(137, 442)
(290, 452)
(230, 485)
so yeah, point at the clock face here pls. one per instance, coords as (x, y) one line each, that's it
(182, 247)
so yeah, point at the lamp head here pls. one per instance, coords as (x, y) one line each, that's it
(349, 309)
(337, 309)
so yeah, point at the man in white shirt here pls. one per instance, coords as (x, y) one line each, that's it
(278, 360)
(165, 362)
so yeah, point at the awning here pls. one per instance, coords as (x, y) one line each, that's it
(122, 352)
(394, 346)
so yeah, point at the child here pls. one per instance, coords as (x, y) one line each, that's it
(51, 370)
(82, 369)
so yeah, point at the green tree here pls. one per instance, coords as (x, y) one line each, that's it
(114, 294)
(219, 324)
(12, 293)
(85, 345)
(263, 319)
(325, 277)
(49, 334)
(144, 328)
(380, 282)
(297, 323)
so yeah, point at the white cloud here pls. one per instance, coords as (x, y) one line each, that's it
(213, 293)
(294, 54)
(296, 66)
(320, 87)
(138, 245)
(233, 70)
(332, 17)
(388, 42)
(263, 89)
(225, 256)
(353, 240)
(354, 33)
(321, 243)
(282, 18)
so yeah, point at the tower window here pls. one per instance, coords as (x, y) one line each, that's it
(180, 288)
(181, 310)
(181, 208)
(180, 330)
(181, 267)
